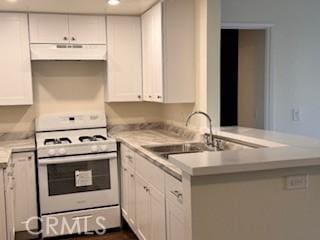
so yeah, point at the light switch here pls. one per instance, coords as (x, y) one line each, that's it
(295, 115)
(297, 182)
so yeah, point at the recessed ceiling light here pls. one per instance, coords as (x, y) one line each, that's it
(113, 2)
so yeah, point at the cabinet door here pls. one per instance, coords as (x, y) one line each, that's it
(124, 59)
(147, 55)
(3, 224)
(158, 216)
(131, 197)
(157, 53)
(15, 74)
(87, 29)
(48, 28)
(10, 210)
(25, 194)
(142, 208)
(175, 221)
(152, 54)
(124, 191)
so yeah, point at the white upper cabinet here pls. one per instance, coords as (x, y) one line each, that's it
(61, 28)
(87, 29)
(147, 56)
(48, 28)
(15, 74)
(124, 82)
(168, 52)
(157, 54)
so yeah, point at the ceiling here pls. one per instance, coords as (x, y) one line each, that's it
(126, 7)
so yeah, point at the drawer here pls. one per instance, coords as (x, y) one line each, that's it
(174, 190)
(87, 220)
(127, 157)
(151, 173)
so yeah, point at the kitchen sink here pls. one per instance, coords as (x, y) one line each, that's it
(165, 150)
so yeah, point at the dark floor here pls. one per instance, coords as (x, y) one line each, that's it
(123, 235)
(119, 235)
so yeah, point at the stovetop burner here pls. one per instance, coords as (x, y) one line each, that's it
(55, 141)
(94, 138)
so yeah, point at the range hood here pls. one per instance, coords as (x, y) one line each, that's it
(71, 52)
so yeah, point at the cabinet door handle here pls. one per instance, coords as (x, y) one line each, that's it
(131, 175)
(73, 39)
(178, 195)
(159, 97)
(139, 96)
(65, 38)
(150, 96)
(130, 158)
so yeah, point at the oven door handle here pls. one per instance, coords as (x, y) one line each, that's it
(72, 159)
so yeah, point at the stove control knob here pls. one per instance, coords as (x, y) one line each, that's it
(103, 148)
(52, 152)
(94, 149)
(62, 151)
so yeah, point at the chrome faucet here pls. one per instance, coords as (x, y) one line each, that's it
(210, 140)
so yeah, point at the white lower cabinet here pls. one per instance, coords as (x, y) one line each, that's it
(144, 198)
(158, 215)
(124, 192)
(174, 209)
(3, 230)
(25, 190)
(9, 188)
(142, 208)
(131, 197)
(175, 221)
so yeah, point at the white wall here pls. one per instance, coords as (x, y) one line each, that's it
(251, 78)
(295, 56)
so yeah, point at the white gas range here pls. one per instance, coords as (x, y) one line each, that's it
(78, 173)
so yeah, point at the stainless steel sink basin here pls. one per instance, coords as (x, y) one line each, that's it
(165, 150)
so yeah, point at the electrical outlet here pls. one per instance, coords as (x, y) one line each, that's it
(297, 182)
(295, 115)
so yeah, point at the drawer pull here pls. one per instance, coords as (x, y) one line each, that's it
(178, 195)
(132, 175)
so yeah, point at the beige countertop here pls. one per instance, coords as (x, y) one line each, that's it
(14, 146)
(281, 151)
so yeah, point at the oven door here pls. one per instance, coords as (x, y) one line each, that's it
(78, 182)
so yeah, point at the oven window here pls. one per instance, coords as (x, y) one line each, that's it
(78, 177)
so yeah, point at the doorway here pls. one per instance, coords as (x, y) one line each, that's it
(244, 67)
